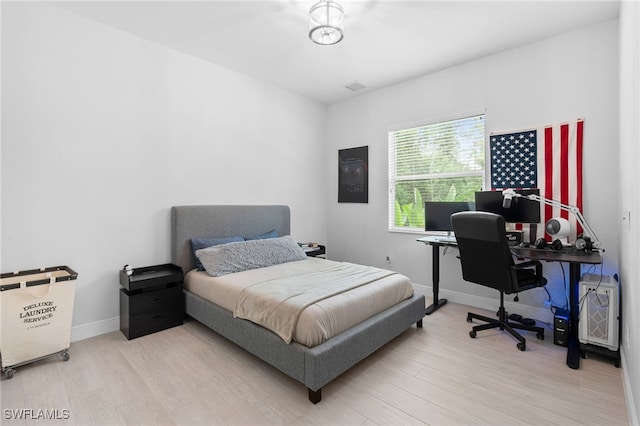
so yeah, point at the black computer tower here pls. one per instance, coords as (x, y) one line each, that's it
(561, 327)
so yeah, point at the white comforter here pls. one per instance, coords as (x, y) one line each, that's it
(320, 320)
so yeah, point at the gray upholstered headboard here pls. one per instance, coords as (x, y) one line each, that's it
(221, 221)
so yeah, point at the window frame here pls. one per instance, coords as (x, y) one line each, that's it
(393, 179)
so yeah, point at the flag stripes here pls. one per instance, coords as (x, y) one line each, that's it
(558, 163)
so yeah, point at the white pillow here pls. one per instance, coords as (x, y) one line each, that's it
(241, 256)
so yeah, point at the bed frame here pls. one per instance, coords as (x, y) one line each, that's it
(314, 367)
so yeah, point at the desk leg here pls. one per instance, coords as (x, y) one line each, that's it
(573, 350)
(437, 303)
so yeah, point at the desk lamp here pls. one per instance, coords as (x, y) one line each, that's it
(581, 242)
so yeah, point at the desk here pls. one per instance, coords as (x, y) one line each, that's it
(575, 259)
(435, 243)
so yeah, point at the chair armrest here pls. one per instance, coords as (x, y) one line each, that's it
(527, 265)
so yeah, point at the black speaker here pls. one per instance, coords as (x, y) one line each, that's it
(556, 245)
(561, 327)
(540, 243)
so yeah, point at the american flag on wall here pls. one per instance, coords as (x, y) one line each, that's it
(548, 158)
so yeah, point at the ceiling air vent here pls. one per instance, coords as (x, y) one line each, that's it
(355, 86)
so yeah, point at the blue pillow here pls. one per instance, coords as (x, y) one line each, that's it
(271, 234)
(200, 243)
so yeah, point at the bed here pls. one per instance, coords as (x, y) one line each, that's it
(312, 366)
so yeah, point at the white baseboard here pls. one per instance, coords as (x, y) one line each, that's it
(97, 328)
(491, 304)
(93, 329)
(628, 393)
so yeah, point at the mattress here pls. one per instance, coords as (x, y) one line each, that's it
(319, 321)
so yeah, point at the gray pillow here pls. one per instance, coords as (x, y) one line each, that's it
(242, 256)
(200, 243)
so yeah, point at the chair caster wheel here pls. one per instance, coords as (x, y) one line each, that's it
(472, 334)
(521, 346)
(469, 319)
(540, 336)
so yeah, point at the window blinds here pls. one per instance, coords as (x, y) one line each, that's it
(443, 161)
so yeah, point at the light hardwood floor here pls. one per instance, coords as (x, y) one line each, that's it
(437, 375)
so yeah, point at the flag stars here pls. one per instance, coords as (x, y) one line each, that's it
(513, 159)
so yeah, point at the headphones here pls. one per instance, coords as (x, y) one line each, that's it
(582, 243)
(542, 243)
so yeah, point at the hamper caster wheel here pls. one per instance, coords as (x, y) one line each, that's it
(65, 356)
(8, 373)
(521, 346)
(472, 334)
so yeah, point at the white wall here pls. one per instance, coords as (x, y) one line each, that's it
(630, 201)
(103, 132)
(558, 79)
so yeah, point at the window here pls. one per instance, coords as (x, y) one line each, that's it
(442, 161)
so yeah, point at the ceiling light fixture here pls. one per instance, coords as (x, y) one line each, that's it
(326, 22)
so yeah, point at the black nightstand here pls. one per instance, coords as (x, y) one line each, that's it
(314, 251)
(151, 300)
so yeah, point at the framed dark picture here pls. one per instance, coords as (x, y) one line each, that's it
(353, 175)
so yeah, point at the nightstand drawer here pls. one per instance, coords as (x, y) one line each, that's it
(150, 322)
(169, 299)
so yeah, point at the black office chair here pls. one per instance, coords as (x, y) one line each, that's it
(487, 260)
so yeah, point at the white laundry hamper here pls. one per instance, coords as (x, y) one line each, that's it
(36, 308)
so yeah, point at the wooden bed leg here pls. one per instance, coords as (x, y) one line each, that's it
(315, 396)
(419, 324)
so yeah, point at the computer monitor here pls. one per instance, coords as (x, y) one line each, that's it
(522, 210)
(437, 214)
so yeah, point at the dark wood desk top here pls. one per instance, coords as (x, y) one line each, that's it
(567, 254)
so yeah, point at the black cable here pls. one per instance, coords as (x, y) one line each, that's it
(564, 282)
(593, 290)
(551, 307)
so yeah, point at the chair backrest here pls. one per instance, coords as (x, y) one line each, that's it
(484, 250)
